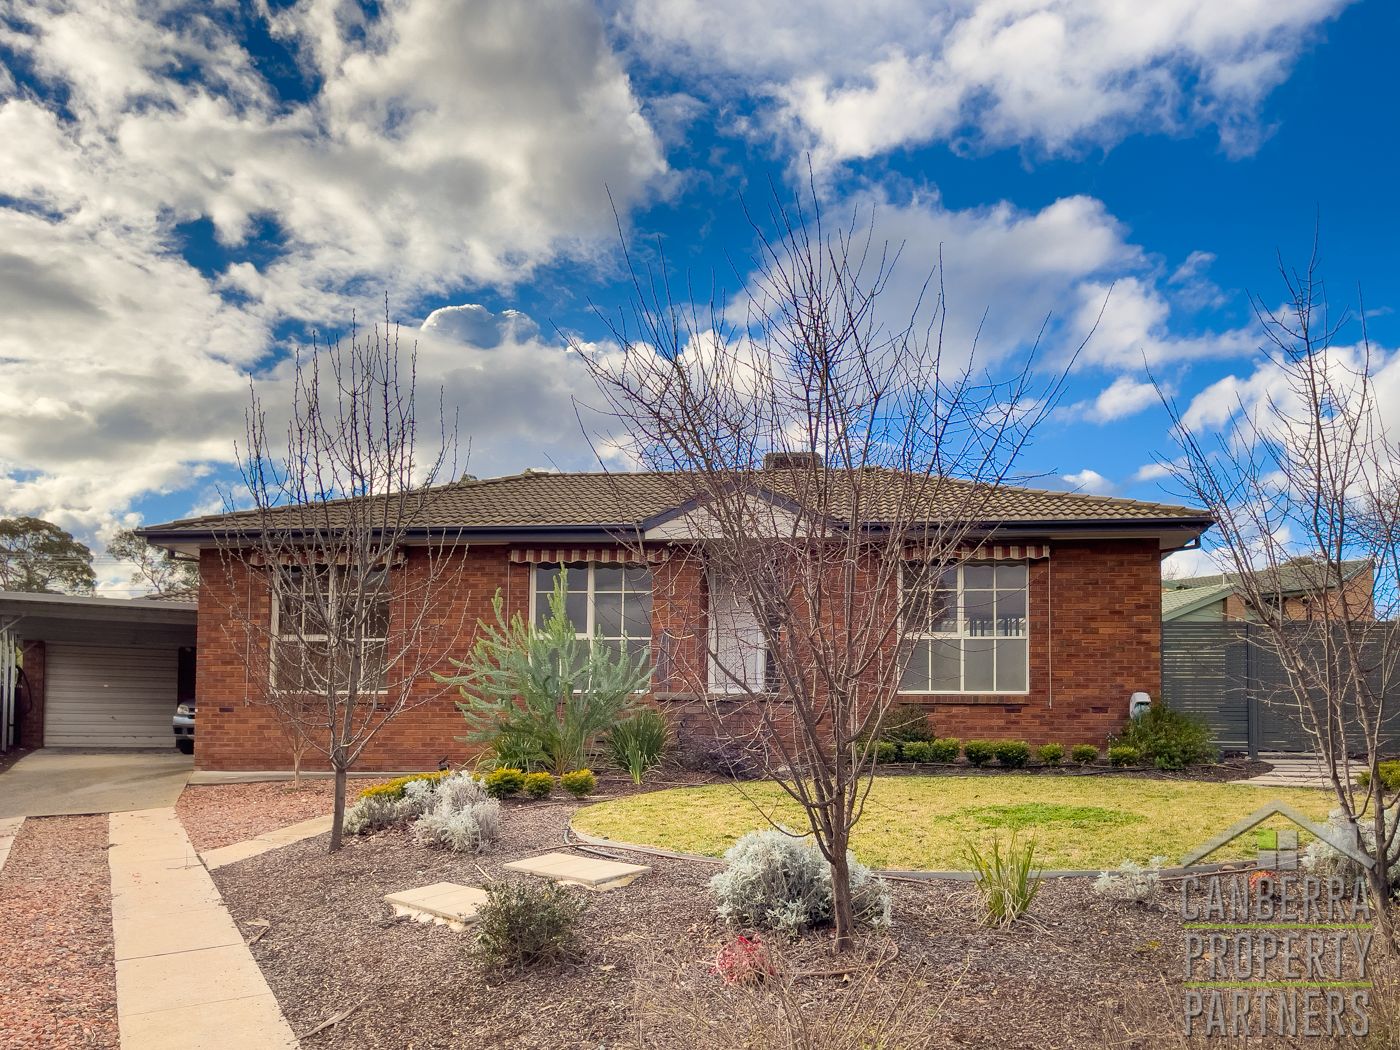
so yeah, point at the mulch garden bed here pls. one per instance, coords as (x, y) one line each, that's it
(58, 985)
(1231, 768)
(1080, 972)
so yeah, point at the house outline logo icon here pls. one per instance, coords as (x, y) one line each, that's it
(1327, 834)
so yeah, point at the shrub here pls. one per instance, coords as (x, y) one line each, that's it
(580, 783)
(539, 785)
(1322, 858)
(392, 802)
(462, 817)
(775, 881)
(1084, 754)
(544, 684)
(1013, 754)
(394, 789)
(907, 723)
(1390, 776)
(528, 923)
(1167, 738)
(372, 813)
(504, 781)
(638, 743)
(886, 751)
(1131, 881)
(1051, 754)
(1122, 755)
(516, 750)
(1004, 878)
(980, 752)
(945, 749)
(918, 751)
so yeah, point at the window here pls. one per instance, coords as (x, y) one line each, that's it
(966, 628)
(740, 660)
(604, 600)
(314, 627)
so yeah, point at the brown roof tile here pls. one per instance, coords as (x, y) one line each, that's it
(581, 500)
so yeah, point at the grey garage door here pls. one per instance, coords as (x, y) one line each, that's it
(101, 696)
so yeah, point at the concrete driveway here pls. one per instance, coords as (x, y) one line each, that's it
(54, 781)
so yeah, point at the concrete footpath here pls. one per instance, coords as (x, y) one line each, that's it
(185, 978)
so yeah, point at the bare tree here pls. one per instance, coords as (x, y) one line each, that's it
(361, 590)
(839, 467)
(1304, 480)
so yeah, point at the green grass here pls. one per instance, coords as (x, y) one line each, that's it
(923, 822)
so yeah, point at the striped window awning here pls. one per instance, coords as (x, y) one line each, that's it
(565, 555)
(991, 552)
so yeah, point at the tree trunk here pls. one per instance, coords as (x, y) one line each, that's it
(338, 818)
(842, 909)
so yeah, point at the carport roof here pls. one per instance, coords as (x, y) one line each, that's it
(16, 604)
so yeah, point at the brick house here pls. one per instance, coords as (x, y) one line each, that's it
(1057, 621)
(1302, 589)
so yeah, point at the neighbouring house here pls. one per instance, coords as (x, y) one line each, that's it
(93, 672)
(1058, 612)
(1300, 589)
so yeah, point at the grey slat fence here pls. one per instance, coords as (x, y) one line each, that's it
(1225, 674)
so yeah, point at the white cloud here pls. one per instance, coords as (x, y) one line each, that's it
(1125, 396)
(443, 144)
(1087, 480)
(856, 80)
(1068, 274)
(1152, 472)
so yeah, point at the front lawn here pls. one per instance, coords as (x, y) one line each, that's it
(922, 822)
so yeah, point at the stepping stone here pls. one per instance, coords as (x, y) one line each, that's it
(447, 904)
(589, 872)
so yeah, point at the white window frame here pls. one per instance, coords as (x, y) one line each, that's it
(592, 609)
(335, 573)
(961, 635)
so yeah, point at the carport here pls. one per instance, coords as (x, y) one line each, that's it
(92, 673)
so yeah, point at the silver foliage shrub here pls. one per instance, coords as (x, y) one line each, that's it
(1131, 881)
(462, 817)
(775, 881)
(1322, 858)
(373, 813)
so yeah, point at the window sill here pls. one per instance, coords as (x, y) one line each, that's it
(1016, 699)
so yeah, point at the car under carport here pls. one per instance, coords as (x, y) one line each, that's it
(93, 672)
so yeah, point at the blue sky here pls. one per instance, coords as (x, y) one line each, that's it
(188, 190)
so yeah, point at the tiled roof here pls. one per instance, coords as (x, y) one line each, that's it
(557, 500)
(1295, 577)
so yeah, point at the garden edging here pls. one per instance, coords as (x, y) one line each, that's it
(599, 842)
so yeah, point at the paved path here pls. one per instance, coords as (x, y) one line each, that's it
(185, 978)
(54, 781)
(9, 828)
(269, 840)
(1304, 771)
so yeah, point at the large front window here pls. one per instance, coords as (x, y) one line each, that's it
(317, 620)
(966, 628)
(603, 600)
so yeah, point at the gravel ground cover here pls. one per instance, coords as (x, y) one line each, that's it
(58, 985)
(217, 815)
(1080, 973)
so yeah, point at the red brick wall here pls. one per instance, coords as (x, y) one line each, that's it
(1094, 627)
(31, 719)
(235, 730)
